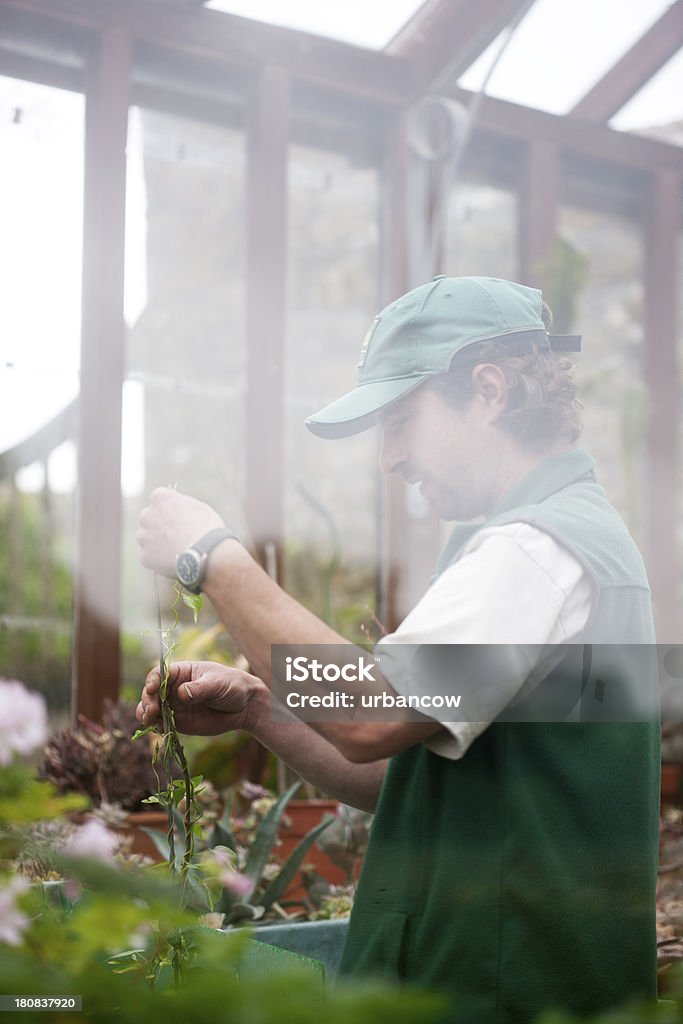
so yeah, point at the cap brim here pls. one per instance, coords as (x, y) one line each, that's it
(357, 410)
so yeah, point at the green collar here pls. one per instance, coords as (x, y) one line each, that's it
(550, 475)
(547, 477)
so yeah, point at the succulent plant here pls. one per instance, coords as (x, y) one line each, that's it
(102, 761)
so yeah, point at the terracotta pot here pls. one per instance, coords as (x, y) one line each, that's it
(135, 821)
(142, 843)
(302, 816)
(671, 784)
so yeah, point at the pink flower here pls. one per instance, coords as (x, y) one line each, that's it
(236, 883)
(92, 840)
(13, 922)
(23, 720)
(223, 860)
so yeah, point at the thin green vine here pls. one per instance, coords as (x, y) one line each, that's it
(170, 749)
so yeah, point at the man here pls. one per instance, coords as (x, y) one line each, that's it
(513, 853)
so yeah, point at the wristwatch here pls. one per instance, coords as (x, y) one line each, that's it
(190, 564)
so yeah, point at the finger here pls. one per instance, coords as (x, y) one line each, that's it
(148, 711)
(181, 672)
(222, 690)
(197, 687)
(152, 682)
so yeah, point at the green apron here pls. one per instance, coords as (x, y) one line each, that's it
(522, 877)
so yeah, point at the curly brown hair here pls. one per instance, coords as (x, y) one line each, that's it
(542, 405)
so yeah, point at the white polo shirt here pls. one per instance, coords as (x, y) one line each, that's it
(513, 585)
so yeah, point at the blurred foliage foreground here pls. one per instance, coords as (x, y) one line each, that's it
(135, 943)
(133, 940)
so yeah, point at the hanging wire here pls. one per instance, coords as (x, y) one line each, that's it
(427, 227)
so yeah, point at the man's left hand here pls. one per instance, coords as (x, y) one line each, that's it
(207, 698)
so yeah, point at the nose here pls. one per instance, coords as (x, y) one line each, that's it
(391, 455)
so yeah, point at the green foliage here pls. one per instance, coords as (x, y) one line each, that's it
(39, 657)
(342, 595)
(129, 941)
(193, 602)
(564, 272)
(23, 799)
(216, 985)
(663, 1012)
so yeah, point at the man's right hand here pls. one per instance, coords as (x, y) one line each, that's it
(170, 522)
(207, 698)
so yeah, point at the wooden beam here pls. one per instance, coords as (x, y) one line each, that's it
(635, 68)
(228, 39)
(97, 585)
(663, 485)
(409, 544)
(44, 72)
(538, 210)
(38, 446)
(444, 37)
(574, 135)
(392, 599)
(267, 146)
(594, 140)
(337, 67)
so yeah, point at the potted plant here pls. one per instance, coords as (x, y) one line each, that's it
(252, 881)
(104, 764)
(338, 853)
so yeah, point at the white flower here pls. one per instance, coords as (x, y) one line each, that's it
(212, 920)
(12, 920)
(23, 720)
(92, 840)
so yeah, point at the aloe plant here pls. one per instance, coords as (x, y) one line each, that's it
(264, 892)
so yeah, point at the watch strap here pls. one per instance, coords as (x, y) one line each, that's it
(209, 541)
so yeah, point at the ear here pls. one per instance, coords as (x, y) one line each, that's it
(490, 389)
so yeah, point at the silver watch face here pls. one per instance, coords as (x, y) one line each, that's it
(188, 568)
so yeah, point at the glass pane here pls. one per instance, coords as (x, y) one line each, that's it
(370, 23)
(656, 108)
(606, 251)
(481, 232)
(41, 201)
(331, 487)
(184, 397)
(560, 50)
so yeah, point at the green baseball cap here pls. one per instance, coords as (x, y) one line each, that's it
(417, 336)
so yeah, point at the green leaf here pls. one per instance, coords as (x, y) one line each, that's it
(284, 879)
(129, 954)
(222, 836)
(243, 912)
(160, 840)
(143, 732)
(194, 602)
(265, 837)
